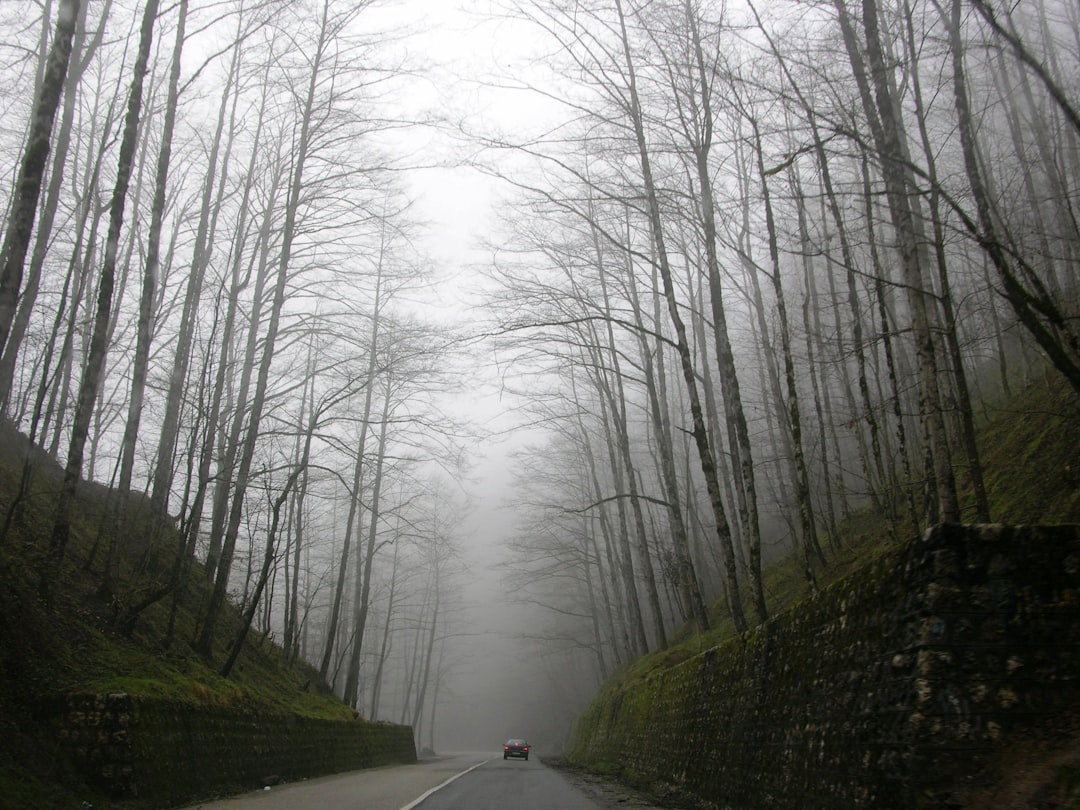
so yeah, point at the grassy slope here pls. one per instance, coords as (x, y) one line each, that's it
(1032, 476)
(75, 645)
(72, 645)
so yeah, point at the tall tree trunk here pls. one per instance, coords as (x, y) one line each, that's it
(384, 648)
(98, 349)
(778, 425)
(229, 450)
(1056, 92)
(144, 328)
(238, 281)
(811, 302)
(586, 564)
(811, 545)
(609, 368)
(887, 128)
(32, 167)
(830, 200)
(150, 272)
(40, 413)
(950, 327)
(688, 584)
(76, 282)
(291, 638)
(429, 652)
(639, 645)
(1034, 305)
(415, 659)
(221, 580)
(728, 457)
(81, 56)
(362, 585)
(617, 626)
(268, 559)
(357, 481)
(889, 351)
(701, 439)
(725, 357)
(985, 229)
(178, 375)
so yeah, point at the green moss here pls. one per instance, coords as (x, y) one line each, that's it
(1036, 435)
(72, 629)
(1028, 452)
(809, 688)
(17, 792)
(1068, 778)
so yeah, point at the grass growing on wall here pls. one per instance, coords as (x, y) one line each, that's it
(66, 639)
(1032, 474)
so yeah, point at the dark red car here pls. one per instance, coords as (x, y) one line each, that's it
(516, 748)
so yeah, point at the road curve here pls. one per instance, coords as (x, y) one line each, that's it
(499, 784)
(389, 788)
(477, 781)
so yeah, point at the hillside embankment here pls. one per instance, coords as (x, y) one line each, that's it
(164, 752)
(898, 687)
(116, 709)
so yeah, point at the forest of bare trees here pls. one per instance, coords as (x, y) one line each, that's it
(770, 270)
(766, 268)
(207, 280)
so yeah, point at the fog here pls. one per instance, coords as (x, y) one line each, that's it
(489, 344)
(500, 683)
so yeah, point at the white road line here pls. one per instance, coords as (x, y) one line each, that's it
(414, 803)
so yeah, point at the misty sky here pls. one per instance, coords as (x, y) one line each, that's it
(497, 688)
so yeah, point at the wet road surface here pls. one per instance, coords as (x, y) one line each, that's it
(477, 781)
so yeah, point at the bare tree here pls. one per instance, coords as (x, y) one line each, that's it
(150, 270)
(695, 106)
(292, 208)
(88, 389)
(701, 438)
(82, 54)
(32, 167)
(880, 109)
(167, 437)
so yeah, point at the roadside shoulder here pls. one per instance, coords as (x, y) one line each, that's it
(608, 792)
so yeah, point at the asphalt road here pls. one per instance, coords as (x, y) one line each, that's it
(514, 783)
(477, 781)
(390, 788)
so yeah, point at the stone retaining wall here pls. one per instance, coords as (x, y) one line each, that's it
(889, 690)
(163, 753)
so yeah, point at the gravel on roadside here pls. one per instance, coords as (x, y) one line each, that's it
(610, 793)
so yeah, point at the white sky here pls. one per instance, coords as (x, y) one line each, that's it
(468, 53)
(464, 46)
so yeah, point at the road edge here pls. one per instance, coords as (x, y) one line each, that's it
(427, 794)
